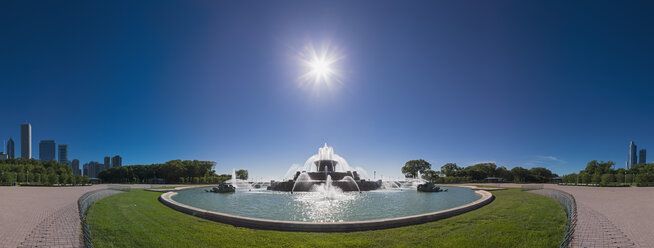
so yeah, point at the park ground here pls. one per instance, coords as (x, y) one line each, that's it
(514, 219)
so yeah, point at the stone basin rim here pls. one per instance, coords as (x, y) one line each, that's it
(345, 226)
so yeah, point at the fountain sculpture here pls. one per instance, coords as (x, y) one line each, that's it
(325, 169)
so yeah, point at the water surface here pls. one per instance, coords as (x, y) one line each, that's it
(321, 207)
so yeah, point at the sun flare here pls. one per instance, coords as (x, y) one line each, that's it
(321, 66)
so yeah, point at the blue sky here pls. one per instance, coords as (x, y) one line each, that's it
(519, 83)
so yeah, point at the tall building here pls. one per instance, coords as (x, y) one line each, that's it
(47, 150)
(94, 168)
(26, 141)
(107, 162)
(632, 155)
(63, 154)
(642, 156)
(10, 148)
(85, 170)
(116, 161)
(75, 165)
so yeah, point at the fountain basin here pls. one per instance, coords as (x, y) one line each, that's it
(172, 200)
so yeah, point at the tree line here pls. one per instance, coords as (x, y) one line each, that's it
(36, 172)
(603, 174)
(174, 171)
(476, 173)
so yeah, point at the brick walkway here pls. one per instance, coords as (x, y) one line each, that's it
(44, 216)
(610, 216)
(29, 213)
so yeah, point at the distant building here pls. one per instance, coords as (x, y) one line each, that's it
(47, 150)
(116, 161)
(85, 170)
(75, 165)
(642, 156)
(26, 141)
(3, 155)
(10, 148)
(94, 168)
(63, 154)
(107, 162)
(632, 155)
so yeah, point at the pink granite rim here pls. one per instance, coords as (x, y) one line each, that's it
(349, 226)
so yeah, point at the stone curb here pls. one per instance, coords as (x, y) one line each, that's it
(177, 188)
(351, 226)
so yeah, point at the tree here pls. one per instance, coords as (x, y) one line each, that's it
(541, 174)
(520, 174)
(412, 167)
(585, 178)
(591, 167)
(450, 169)
(242, 174)
(597, 177)
(607, 179)
(430, 175)
(606, 167)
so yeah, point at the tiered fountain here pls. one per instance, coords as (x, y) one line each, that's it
(325, 169)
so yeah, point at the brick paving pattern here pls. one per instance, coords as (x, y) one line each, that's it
(611, 216)
(44, 216)
(595, 230)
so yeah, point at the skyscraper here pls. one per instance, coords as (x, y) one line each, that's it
(85, 170)
(642, 156)
(47, 150)
(116, 161)
(10, 148)
(107, 162)
(63, 154)
(75, 165)
(632, 155)
(26, 141)
(94, 168)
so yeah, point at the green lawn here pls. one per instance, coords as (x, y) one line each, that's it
(514, 219)
(166, 187)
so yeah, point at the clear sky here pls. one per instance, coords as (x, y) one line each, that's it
(519, 83)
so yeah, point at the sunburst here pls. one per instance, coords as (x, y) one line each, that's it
(321, 66)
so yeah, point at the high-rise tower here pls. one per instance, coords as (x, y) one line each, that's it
(116, 161)
(633, 158)
(107, 162)
(11, 148)
(642, 156)
(47, 150)
(63, 153)
(26, 141)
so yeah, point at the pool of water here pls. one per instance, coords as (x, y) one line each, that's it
(323, 207)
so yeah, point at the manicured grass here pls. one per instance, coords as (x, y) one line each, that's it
(166, 187)
(488, 186)
(514, 219)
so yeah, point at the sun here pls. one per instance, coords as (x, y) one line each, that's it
(321, 66)
(320, 69)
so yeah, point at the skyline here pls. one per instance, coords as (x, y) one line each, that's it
(553, 84)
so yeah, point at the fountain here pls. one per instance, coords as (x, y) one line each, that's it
(326, 169)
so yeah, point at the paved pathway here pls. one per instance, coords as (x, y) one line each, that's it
(42, 216)
(26, 211)
(611, 216)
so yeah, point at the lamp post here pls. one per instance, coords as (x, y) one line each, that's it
(27, 177)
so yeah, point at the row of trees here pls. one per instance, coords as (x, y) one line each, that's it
(33, 171)
(476, 173)
(602, 173)
(174, 171)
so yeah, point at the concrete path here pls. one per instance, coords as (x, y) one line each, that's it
(26, 211)
(610, 216)
(43, 216)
